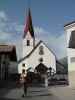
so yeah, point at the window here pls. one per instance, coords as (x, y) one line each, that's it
(28, 42)
(23, 65)
(72, 40)
(72, 59)
(41, 52)
(41, 60)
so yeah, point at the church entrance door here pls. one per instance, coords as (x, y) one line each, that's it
(42, 71)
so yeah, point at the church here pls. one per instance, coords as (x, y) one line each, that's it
(35, 57)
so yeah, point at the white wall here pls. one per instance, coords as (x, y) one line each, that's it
(27, 49)
(70, 52)
(48, 59)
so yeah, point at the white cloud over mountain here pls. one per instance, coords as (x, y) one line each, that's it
(12, 32)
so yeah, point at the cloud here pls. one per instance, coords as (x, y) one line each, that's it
(39, 31)
(3, 16)
(9, 31)
(3, 22)
(56, 43)
(12, 32)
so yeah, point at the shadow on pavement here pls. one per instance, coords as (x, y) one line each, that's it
(7, 99)
(7, 86)
(33, 93)
(46, 94)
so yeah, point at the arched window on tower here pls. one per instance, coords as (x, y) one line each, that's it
(28, 42)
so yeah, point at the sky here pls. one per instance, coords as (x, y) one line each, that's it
(48, 16)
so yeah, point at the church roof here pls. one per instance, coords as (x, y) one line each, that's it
(28, 25)
(6, 48)
(34, 50)
(30, 52)
(70, 23)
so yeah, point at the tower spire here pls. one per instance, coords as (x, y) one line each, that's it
(29, 25)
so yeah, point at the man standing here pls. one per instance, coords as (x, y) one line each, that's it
(23, 80)
(25, 86)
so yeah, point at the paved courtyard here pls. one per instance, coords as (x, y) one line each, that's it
(38, 93)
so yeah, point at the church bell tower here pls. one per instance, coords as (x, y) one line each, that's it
(28, 37)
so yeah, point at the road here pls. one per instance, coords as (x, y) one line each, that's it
(38, 93)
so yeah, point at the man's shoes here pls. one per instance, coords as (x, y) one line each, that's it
(23, 95)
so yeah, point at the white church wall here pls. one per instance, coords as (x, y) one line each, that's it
(48, 57)
(27, 49)
(19, 49)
